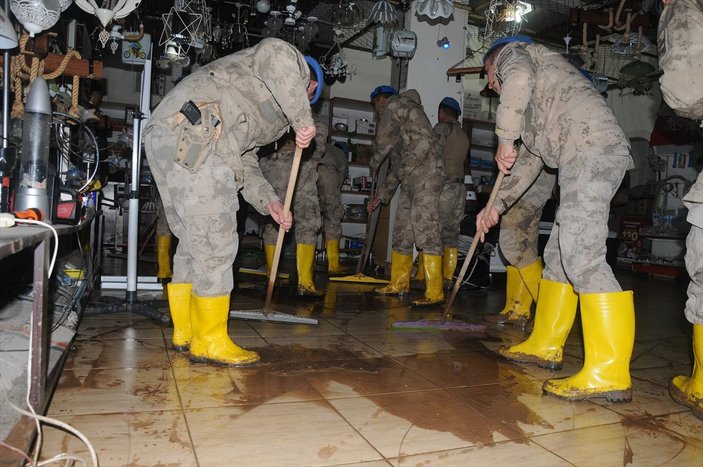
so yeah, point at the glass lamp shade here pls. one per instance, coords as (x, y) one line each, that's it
(8, 37)
(65, 4)
(36, 15)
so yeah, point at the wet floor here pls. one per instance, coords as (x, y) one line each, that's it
(354, 391)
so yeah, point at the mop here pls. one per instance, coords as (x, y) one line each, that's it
(446, 323)
(370, 233)
(266, 313)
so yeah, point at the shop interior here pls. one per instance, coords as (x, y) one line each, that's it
(88, 374)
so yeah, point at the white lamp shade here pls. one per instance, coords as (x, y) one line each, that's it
(36, 15)
(435, 8)
(8, 37)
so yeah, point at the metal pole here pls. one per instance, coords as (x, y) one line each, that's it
(140, 119)
(6, 88)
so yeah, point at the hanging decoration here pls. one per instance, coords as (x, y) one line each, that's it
(185, 26)
(383, 12)
(109, 10)
(292, 26)
(36, 15)
(504, 18)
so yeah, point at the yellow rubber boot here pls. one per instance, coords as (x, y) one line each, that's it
(179, 306)
(450, 257)
(689, 391)
(305, 261)
(401, 267)
(163, 257)
(420, 273)
(434, 286)
(608, 321)
(269, 251)
(521, 289)
(333, 266)
(211, 343)
(531, 276)
(555, 314)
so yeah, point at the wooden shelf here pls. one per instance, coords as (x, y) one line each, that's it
(351, 135)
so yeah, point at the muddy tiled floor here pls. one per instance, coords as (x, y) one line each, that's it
(353, 391)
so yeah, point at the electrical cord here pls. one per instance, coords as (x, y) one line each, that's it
(56, 238)
(95, 145)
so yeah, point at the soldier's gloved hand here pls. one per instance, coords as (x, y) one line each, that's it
(373, 204)
(485, 221)
(304, 136)
(506, 154)
(275, 208)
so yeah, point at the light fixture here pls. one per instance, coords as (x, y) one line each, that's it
(120, 9)
(383, 13)
(403, 44)
(263, 6)
(8, 37)
(435, 8)
(443, 43)
(516, 11)
(184, 24)
(65, 4)
(36, 15)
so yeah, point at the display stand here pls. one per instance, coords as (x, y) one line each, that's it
(132, 282)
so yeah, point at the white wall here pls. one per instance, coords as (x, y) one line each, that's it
(371, 72)
(427, 71)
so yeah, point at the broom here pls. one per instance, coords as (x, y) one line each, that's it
(446, 323)
(266, 313)
(368, 241)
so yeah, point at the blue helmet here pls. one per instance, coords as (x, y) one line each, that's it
(503, 41)
(384, 89)
(452, 104)
(319, 77)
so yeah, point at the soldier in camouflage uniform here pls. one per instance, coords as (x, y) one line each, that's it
(246, 100)
(163, 246)
(518, 240)
(405, 134)
(676, 26)
(332, 170)
(565, 123)
(276, 168)
(453, 144)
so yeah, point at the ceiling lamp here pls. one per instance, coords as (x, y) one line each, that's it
(184, 25)
(36, 15)
(65, 4)
(516, 11)
(383, 13)
(8, 37)
(435, 8)
(117, 9)
(114, 9)
(263, 6)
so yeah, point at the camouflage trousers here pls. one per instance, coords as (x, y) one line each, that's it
(201, 211)
(519, 225)
(306, 205)
(417, 216)
(452, 201)
(694, 266)
(575, 251)
(329, 185)
(162, 229)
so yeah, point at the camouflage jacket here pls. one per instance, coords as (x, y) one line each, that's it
(404, 132)
(454, 144)
(694, 202)
(260, 93)
(548, 103)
